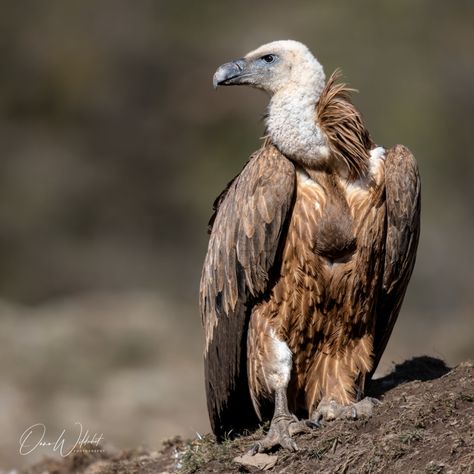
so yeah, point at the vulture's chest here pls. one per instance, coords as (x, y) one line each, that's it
(325, 216)
(331, 259)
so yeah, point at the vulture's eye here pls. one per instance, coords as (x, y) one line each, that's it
(268, 58)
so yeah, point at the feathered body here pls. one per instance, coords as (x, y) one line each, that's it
(311, 249)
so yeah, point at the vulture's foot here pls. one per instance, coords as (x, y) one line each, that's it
(281, 431)
(329, 410)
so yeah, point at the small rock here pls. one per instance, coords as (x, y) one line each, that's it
(260, 460)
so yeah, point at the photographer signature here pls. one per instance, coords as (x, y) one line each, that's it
(34, 437)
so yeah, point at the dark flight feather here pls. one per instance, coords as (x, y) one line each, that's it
(403, 201)
(248, 224)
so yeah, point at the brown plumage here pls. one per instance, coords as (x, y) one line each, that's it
(349, 140)
(314, 259)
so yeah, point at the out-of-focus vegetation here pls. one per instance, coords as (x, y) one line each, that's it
(113, 147)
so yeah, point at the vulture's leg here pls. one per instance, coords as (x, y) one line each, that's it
(270, 364)
(283, 426)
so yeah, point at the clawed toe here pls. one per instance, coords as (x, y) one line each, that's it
(329, 410)
(366, 406)
(280, 435)
(312, 424)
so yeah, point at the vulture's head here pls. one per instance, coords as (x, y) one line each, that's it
(274, 67)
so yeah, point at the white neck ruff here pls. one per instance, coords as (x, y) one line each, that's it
(291, 123)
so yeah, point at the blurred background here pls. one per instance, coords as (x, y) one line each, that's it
(113, 147)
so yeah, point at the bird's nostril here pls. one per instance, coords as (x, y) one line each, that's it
(240, 64)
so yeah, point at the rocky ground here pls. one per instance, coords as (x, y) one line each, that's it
(425, 425)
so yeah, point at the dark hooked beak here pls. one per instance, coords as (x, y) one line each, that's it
(229, 73)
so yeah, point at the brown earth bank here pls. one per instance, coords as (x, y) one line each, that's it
(425, 425)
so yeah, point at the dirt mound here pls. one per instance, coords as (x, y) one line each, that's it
(425, 424)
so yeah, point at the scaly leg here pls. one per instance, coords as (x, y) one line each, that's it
(275, 369)
(283, 426)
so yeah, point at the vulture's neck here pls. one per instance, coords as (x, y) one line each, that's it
(291, 124)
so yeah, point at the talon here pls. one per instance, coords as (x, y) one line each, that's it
(281, 430)
(313, 424)
(374, 401)
(288, 443)
(254, 449)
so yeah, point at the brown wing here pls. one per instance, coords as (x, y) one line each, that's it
(402, 187)
(247, 230)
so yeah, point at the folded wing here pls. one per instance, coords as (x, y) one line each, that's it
(247, 229)
(402, 187)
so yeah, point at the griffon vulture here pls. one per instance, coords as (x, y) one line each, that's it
(310, 252)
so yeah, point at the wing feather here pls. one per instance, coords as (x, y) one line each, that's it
(402, 187)
(247, 227)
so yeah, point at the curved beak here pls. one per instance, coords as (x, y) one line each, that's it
(230, 73)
